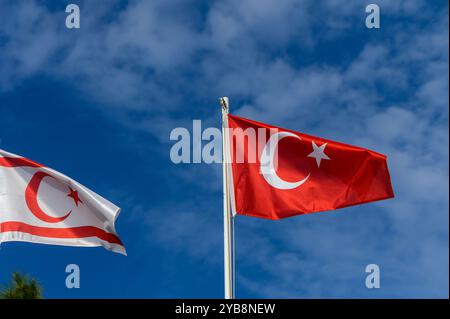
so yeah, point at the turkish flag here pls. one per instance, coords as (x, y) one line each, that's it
(41, 205)
(276, 173)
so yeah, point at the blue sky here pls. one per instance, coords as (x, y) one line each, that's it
(98, 104)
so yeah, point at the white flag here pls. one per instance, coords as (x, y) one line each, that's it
(41, 205)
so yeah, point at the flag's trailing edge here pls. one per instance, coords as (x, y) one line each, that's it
(313, 174)
(33, 197)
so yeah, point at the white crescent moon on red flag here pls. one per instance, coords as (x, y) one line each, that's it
(267, 163)
(32, 202)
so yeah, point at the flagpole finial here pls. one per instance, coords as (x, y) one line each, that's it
(224, 102)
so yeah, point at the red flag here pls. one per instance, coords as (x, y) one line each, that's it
(279, 173)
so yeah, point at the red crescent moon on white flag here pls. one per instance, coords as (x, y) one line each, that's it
(32, 202)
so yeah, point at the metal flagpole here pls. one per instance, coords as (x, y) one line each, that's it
(228, 220)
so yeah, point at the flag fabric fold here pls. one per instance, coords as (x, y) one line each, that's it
(278, 173)
(41, 205)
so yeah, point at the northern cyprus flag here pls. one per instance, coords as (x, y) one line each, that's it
(41, 205)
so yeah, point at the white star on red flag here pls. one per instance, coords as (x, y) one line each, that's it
(318, 153)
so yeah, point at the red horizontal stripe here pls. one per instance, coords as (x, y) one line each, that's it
(74, 232)
(18, 162)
